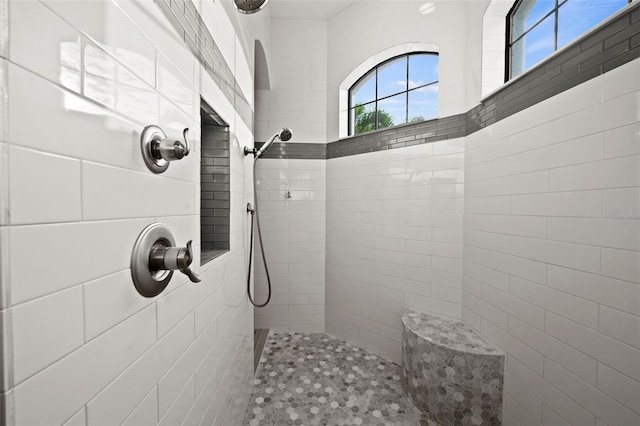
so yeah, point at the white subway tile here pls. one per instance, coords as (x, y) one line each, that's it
(599, 346)
(146, 413)
(619, 387)
(99, 248)
(622, 264)
(518, 266)
(526, 226)
(586, 258)
(617, 294)
(64, 387)
(551, 418)
(485, 310)
(612, 173)
(181, 406)
(106, 24)
(622, 80)
(103, 198)
(514, 306)
(566, 407)
(521, 415)
(599, 404)
(574, 308)
(179, 374)
(622, 110)
(573, 360)
(621, 203)
(43, 188)
(45, 330)
(110, 300)
(615, 233)
(514, 347)
(52, 50)
(622, 141)
(79, 419)
(581, 123)
(114, 136)
(620, 325)
(579, 203)
(114, 403)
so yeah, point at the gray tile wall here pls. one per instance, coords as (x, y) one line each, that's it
(186, 20)
(614, 44)
(214, 189)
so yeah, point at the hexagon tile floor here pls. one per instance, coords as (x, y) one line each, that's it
(313, 379)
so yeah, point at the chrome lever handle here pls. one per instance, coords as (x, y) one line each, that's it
(163, 258)
(158, 150)
(187, 271)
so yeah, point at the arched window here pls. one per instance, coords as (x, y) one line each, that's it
(403, 89)
(537, 28)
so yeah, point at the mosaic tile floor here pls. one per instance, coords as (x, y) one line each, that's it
(313, 379)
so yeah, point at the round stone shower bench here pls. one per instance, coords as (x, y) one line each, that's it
(449, 372)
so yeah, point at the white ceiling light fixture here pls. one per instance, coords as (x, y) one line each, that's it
(427, 8)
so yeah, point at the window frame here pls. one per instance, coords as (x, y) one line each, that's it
(508, 69)
(350, 129)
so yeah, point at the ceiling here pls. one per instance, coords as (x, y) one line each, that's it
(307, 9)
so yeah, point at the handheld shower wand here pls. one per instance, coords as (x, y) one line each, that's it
(284, 135)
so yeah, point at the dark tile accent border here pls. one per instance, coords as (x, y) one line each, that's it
(305, 151)
(400, 136)
(186, 20)
(612, 45)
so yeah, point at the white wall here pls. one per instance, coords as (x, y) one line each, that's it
(294, 241)
(394, 241)
(81, 346)
(552, 252)
(366, 28)
(298, 75)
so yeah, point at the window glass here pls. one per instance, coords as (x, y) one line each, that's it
(364, 91)
(423, 69)
(590, 13)
(529, 13)
(363, 118)
(423, 103)
(392, 111)
(540, 27)
(392, 77)
(402, 89)
(539, 42)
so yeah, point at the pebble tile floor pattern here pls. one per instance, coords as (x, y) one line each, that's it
(313, 379)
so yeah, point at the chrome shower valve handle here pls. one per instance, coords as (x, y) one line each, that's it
(173, 258)
(158, 150)
(155, 257)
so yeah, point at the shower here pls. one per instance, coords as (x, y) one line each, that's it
(249, 6)
(284, 135)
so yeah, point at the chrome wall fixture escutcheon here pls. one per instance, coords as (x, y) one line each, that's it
(155, 257)
(158, 150)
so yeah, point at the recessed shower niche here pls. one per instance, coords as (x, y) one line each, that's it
(214, 184)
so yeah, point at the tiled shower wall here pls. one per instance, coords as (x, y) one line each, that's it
(291, 201)
(394, 240)
(552, 252)
(81, 346)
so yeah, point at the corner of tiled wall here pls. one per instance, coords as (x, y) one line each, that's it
(101, 72)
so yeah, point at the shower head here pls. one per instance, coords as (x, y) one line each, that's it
(284, 135)
(249, 6)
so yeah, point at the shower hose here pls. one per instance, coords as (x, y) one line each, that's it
(255, 214)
